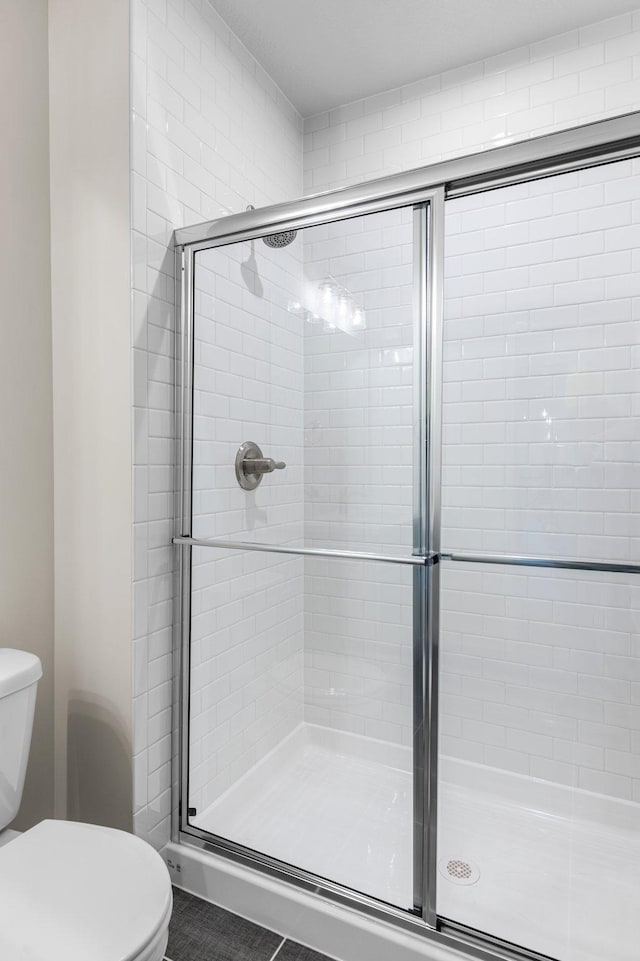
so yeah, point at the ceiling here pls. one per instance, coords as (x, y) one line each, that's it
(323, 53)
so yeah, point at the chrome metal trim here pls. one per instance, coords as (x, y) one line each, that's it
(420, 509)
(561, 563)
(452, 936)
(533, 171)
(185, 386)
(413, 560)
(434, 371)
(179, 598)
(420, 766)
(185, 407)
(530, 159)
(296, 215)
(421, 248)
(472, 937)
(432, 678)
(433, 431)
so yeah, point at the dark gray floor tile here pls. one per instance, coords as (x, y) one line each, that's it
(292, 951)
(200, 931)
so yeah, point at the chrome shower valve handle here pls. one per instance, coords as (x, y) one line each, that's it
(262, 465)
(251, 465)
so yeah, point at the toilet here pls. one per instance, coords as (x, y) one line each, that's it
(69, 891)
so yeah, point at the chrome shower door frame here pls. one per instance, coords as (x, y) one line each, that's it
(428, 232)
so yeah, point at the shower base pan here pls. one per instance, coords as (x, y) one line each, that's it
(552, 869)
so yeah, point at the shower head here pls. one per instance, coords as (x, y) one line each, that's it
(283, 239)
(280, 240)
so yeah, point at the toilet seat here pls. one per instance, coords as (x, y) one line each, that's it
(72, 892)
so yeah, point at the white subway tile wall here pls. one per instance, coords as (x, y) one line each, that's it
(270, 348)
(246, 674)
(541, 674)
(579, 77)
(358, 648)
(358, 462)
(246, 615)
(575, 78)
(359, 383)
(542, 367)
(211, 133)
(541, 456)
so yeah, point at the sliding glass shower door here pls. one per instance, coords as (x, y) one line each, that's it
(539, 835)
(306, 675)
(444, 734)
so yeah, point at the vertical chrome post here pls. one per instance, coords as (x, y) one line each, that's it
(184, 418)
(433, 428)
(420, 513)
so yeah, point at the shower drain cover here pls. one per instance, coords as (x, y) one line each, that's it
(458, 871)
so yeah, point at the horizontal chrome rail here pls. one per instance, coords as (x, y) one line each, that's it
(413, 560)
(523, 560)
(529, 159)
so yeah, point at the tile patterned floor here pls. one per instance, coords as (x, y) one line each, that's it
(200, 931)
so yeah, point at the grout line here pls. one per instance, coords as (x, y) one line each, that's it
(277, 949)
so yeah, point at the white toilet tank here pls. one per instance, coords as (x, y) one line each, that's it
(19, 676)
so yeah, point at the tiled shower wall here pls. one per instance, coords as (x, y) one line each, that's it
(541, 371)
(211, 133)
(540, 457)
(358, 476)
(246, 617)
(565, 712)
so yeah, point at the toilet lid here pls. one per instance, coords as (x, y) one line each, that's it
(73, 892)
(18, 669)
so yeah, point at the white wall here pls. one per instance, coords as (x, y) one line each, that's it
(211, 133)
(89, 141)
(26, 478)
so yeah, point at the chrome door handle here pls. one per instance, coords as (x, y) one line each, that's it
(251, 465)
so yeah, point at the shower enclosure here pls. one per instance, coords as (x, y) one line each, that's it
(408, 525)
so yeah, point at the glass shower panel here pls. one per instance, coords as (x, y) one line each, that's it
(301, 682)
(539, 827)
(539, 722)
(359, 383)
(307, 350)
(542, 368)
(301, 714)
(248, 385)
